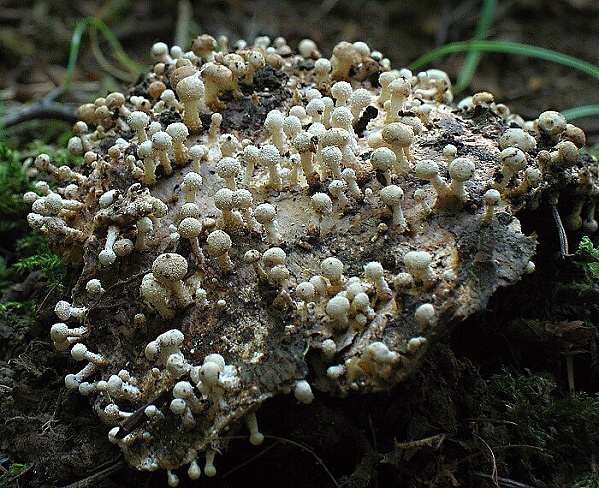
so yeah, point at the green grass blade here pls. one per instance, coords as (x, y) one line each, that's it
(580, 112)
(473, 58)
(508, 48)
(119, 53)
(74, 53)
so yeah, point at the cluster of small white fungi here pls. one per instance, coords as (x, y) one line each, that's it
(242, 169)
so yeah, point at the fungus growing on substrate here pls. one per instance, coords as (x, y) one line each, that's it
(322, 206)
(383, 159)
(357, 326)
(169, 269)
(399, 137)
(223, 200)
(269, 156)
(191, 92)
(138, 121)
(492, 198)
(393, 196)
(161, 143)
(107, 256)
(512, 160)
(217, 78)
(178, 132)
(332, 270)
(337, 309)
(460, 171)
(191, 228)
(228, 169)
(63, 337)
(331, 161)
(419, 266)
(265, 214)
(218, 244)
(374, 272)
(252, 257)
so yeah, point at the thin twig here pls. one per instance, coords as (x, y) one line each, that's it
(96, 477)
(494, 475)
(503, 482)
(39, 111)
(563, 238)
(252, 459)
(308, 450)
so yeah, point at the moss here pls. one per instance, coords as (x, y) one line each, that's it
(548, 427)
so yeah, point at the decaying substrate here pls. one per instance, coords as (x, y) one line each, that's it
(244, 217)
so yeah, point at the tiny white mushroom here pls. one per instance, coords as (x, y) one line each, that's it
(218, 244)
(251, 156)
(191, 92)
(337, 309)
(144, 151)
(80, 352)
(94, 287)
(228, 169)
(419, 266)
(192, 182)
(256, 438)
(337, 189)
(427, 169)
(460, 171)
(156, 295)
(198, 153)
(425, 315)
(415, 344)
(64, 311)
(243, 200)
(161, 143)
(223, 200)
(269, 157)
(393, 196)
(492, 198)
(331, 157)
(107, 256)
(332, 269)
(303, 392)
(374, 273)
(252, 257)
(519, 138)
(359, 99)
(179, 132)
(322, 205)
(273, 127)
(349, 176)
(341, 92)
(399, 137)
(265, 213)
(512, 160)
(144, 226)
(420, 197)
(383, 159)
(63, 337)
(169, 269)
(191, 228)
(138, 121)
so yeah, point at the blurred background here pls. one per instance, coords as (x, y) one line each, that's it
(37, 36)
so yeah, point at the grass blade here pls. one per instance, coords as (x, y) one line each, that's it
(473, 58)
(508, 48)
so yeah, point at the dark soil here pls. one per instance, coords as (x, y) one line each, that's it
(454, 406)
